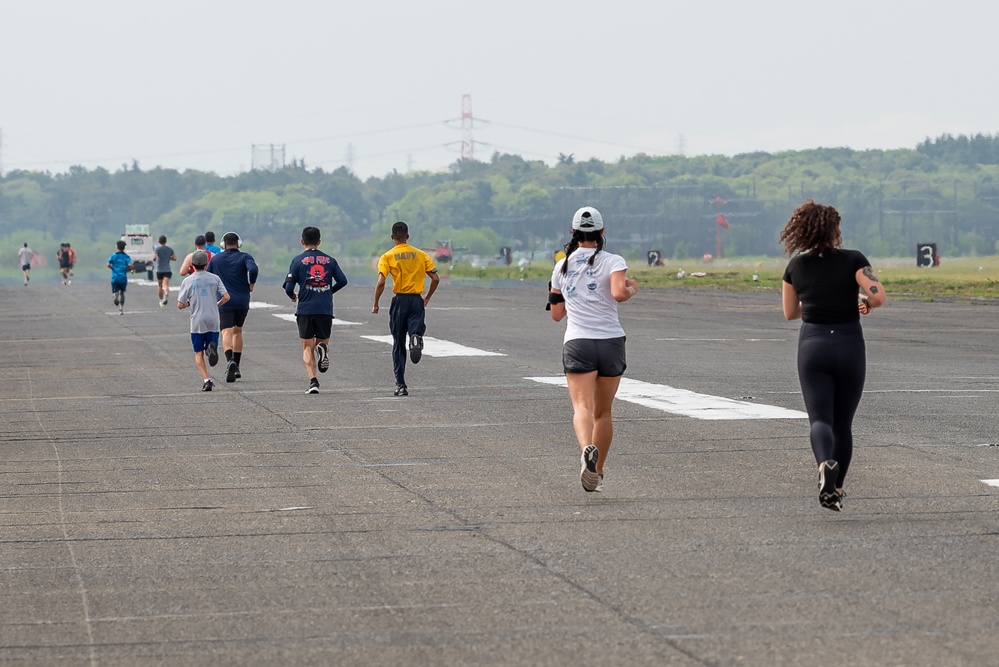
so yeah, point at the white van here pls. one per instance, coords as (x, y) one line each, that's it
(140, 247)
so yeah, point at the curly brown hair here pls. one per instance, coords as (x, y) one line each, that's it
(812, 227)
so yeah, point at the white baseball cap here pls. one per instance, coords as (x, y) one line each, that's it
(588, 219)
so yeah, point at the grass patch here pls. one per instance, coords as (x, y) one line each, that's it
(960, 277)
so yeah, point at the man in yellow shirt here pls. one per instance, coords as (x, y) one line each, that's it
(409, 268)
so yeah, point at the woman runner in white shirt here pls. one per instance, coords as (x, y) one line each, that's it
(587, 285)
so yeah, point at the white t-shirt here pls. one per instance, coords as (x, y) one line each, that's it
(590, 309)
(25, 256)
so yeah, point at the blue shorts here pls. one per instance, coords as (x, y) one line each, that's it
(119, 287)
(200, 341)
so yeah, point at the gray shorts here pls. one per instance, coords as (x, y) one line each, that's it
(606, 356)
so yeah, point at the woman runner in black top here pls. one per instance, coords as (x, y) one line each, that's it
(821, 287)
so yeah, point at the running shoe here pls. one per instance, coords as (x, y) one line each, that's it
(401, 390)
(213, 354)
(230, 371)
(238, 374)
(207, 386)
(116, 298)
(415, 348)
(600, 484)
(828, 497)
(322, 351)
(588, 468)
(313, 386)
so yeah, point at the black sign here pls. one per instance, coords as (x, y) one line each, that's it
(926, 255)
(655, 258)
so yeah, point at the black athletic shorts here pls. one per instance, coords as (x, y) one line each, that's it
(160, 275)
(231, 318)
(605, 356)
(315, 326)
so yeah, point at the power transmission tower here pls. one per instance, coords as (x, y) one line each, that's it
(467, 141)
(467, 124)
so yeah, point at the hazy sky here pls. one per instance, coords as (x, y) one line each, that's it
(378, 84)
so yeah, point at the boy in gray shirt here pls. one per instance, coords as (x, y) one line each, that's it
(204, 293)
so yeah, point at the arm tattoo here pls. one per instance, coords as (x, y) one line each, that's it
(869, 273)
(874, 289)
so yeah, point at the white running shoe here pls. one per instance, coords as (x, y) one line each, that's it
(588, 468)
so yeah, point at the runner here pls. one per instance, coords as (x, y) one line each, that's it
(164, 255)
(71, 254)
(587, 286)
(409, 267)
(312, 272)
(63, 257)
(821, 285)
(210, 244)
(238, 272)
(120, 264)
(24, 255)
(199, 244)
(203, 292)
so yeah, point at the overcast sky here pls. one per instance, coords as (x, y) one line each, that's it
(377, 84)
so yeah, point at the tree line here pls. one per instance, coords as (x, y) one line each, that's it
(945, 190)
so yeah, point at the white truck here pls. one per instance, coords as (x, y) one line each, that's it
(140, 247)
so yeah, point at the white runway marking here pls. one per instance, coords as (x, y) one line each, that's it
(991, 482)
(262, 304)
(435, 347)
(293, 318)
(688, 403)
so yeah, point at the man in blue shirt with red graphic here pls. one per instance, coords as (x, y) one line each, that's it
(318, 277)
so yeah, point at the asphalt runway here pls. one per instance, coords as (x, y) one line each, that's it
(144, 522)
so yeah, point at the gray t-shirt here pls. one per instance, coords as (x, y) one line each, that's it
(163, 254)
(203, 291)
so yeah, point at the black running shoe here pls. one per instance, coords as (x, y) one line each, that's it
(401, 390)
(213, 354)
(828, 497)
(238, 374)
(207, 386)
(415, 348)
(322, 351)
(313, 386)
(588, 468)
(231, 369)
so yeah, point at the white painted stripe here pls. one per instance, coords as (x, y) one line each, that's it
(262, 304)
(688, 403)
(991, 482)
(291, 317)
(435, 347)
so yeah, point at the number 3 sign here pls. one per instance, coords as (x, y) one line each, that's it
(926, 255)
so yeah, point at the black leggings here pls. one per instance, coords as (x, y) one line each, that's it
(832, 366)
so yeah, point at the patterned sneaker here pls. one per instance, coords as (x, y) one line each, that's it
(588, 468)
(415, 348)
(213, 354)
(313, 386)
(828, 497)
(207, 386)
(401, 390)
(322, 352)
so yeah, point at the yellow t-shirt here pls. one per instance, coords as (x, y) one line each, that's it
(408, 267)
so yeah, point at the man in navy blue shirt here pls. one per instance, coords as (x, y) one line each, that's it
(238, 272)
(318, 277)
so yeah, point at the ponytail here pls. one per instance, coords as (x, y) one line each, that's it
(573, 245)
